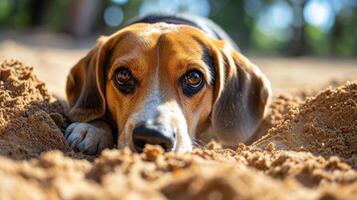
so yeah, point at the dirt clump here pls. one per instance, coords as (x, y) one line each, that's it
(290, 162)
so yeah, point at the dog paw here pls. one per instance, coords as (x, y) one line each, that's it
(88, 138)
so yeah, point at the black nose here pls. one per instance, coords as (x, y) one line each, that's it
(146, 134)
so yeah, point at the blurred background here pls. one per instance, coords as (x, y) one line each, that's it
(260, 27)
(296, 43)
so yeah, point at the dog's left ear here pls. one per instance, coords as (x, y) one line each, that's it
(85, 84)
(242, 96)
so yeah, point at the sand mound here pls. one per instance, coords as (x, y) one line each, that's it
(32, 122)
(278, 108)
(324, 125)
(30, 118)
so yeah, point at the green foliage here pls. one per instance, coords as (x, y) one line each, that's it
(242, 24)
(265, 44)
(14, 15)
(56, 15)
(5, 10)
(318, 40)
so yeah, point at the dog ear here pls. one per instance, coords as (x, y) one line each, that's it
(85, 85)
(242, 96)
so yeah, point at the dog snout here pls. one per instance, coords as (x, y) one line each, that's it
(155, 135)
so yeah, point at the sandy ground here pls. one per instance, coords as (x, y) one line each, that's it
(309, 150)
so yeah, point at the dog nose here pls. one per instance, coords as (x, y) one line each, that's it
(146, 134)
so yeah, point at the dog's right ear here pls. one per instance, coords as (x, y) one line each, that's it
(85, 85)
(242, 96)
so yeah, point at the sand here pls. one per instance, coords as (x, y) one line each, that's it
(309, 152)
(324, 125)
(30, 118)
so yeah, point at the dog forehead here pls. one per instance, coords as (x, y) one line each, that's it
(156, 32)
(156, 29)
(151, 45)
(162, 37)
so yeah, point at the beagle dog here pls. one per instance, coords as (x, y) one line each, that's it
(164, 80)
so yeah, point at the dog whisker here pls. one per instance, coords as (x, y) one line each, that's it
(198, 144)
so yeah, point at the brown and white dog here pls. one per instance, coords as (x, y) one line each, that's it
(164, 80)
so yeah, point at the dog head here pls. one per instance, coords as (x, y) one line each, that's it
(165, 84)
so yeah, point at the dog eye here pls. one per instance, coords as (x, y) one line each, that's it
(193, 79)
(192, 82)
(125, 81)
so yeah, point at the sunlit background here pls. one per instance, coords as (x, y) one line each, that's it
(261, 27)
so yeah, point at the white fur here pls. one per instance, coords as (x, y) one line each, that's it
(159, 28)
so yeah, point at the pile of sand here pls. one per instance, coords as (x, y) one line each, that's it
(30, 118)
(324, 125)
(285, 164)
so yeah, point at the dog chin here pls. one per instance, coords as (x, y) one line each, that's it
(183, 148)
(183, 144)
